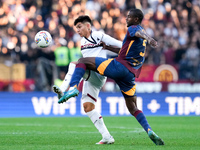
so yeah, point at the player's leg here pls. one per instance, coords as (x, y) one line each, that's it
(83, 64)
(131, 103)
(128, 88)
(89, 98)
(65, 84)
(126, 81)
(98, 122)
(138, 114)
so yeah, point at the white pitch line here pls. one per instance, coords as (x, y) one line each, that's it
(29, 124)
(59, 125)
(66, 132)
(130, 130)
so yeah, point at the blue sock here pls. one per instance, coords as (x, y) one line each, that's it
(142, 120)
(78, 74)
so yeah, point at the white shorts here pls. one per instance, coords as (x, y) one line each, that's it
(92, 86)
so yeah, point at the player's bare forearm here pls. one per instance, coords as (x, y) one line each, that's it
(111, 48)
(144, 35)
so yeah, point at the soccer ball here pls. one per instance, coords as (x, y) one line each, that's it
(43, 39)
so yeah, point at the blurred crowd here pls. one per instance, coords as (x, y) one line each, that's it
(174, 23)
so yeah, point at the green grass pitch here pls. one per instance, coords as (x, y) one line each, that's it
(78, 133)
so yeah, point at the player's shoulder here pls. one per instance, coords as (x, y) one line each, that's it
(97, 36)
(83, 41)
(97, 33)
(135, 27)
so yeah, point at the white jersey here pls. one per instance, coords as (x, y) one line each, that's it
(91, 47)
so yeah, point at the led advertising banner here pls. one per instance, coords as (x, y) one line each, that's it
(39, 104)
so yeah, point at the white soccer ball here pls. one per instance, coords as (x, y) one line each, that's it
(43, 39)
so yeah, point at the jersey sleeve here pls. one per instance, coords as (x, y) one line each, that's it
(111, 41)
(133, 29)
(98, 35)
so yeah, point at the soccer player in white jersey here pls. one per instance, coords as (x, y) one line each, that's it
(91, 46)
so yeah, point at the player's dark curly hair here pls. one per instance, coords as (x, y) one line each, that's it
(137, 13)
(83, 19)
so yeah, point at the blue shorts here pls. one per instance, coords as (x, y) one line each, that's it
(118, 72)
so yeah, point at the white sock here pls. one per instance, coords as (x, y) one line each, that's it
(97, 119)
(68, 76)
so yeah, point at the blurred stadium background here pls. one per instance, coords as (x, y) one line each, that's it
(168, 85)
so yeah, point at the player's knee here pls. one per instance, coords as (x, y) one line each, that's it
(81, 60)
(132, 110)
(135, 100)
(131, 104)
(74, 62)
(88, 107)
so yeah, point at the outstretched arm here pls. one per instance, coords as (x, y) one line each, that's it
(111, 43)
(142, 34)
(111, 48)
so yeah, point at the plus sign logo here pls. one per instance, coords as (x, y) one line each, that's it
(153, 106)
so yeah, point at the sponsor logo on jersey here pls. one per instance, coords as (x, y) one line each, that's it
(90, 45)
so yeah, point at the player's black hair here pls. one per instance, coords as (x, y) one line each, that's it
(83, 19)
(137, 13)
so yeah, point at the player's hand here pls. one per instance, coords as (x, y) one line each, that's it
(110, 48)
(153, 43)
(104, 45)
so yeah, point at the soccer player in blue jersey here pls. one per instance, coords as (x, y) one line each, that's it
(123, 69)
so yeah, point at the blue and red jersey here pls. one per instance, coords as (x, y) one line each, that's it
(132, 52)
